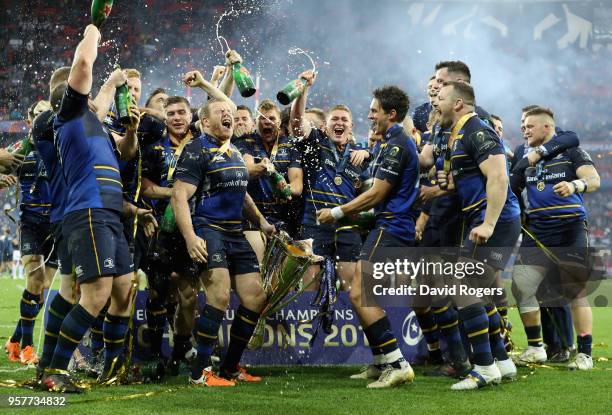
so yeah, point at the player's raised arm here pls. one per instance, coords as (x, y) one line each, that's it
(298, 124)
(81, 78)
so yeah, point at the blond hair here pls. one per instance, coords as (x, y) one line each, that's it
(132, 73)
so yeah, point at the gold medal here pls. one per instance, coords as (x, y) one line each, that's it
(540, 186)
(338, 180)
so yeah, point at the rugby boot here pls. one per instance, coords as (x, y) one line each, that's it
(28, 356)
(479, 377)
(209, 378)
(13, 350)
(368, 372)
(393, 376)
(60, 381)
(582, 362)
(507, 368)
(532, 355)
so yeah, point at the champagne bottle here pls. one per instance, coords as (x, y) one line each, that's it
(280, 186)
(363, 220)
(243, 80)
(100, 9)
(122, 103)
(291, 91)
(22, 147)
(168, 223)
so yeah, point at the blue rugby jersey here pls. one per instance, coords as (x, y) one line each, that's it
(398, 164)
(260, 188)
(42, 135)
(221, 180)
(157, 159)
(329, 177)
(474, 143)
(87, 154)
(447, 205)
(35, 196)
(150, 130)
(543, 205)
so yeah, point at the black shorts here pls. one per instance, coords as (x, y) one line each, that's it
(564, 242)
(341, 245)
(498, 249)
(64, 263)
(36, 238)
(169, 254)
(139, 245)
(378, 244)
(97, 244)
(231, 252)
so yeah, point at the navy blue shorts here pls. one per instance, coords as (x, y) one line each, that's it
(498, 249)
(169, 254)
(97, 244)
(565, 241)
(139, 245)
(378, 244)
(36, 237)
(231, 252)
(340, 245)
(64, 263)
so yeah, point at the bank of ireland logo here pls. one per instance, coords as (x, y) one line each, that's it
(411, 332)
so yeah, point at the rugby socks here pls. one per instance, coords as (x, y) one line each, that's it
(156, 321)
(96, 333)
(73, 328)
(498, 349)
(243, 327)
(383, 342)
(114, 330)
(28, 308)
(206, 333)
(431, 332)
(376, 353)
(534, 336)
(585, 343)
(58, 309)
(448, 322)
(502, 309)
(476, 325)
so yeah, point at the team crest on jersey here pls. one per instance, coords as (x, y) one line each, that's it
(540, 186)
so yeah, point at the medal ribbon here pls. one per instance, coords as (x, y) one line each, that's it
(453, 137)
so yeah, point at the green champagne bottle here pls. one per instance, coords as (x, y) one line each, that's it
(100, 9)
(22, 147)
(168, 223)
(280, 186)
(122, 103)
(243, 80)
(363, 220)
(291, 91)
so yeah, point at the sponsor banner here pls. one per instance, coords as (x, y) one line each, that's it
(288, 334)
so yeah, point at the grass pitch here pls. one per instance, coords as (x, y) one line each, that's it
(327, 390)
